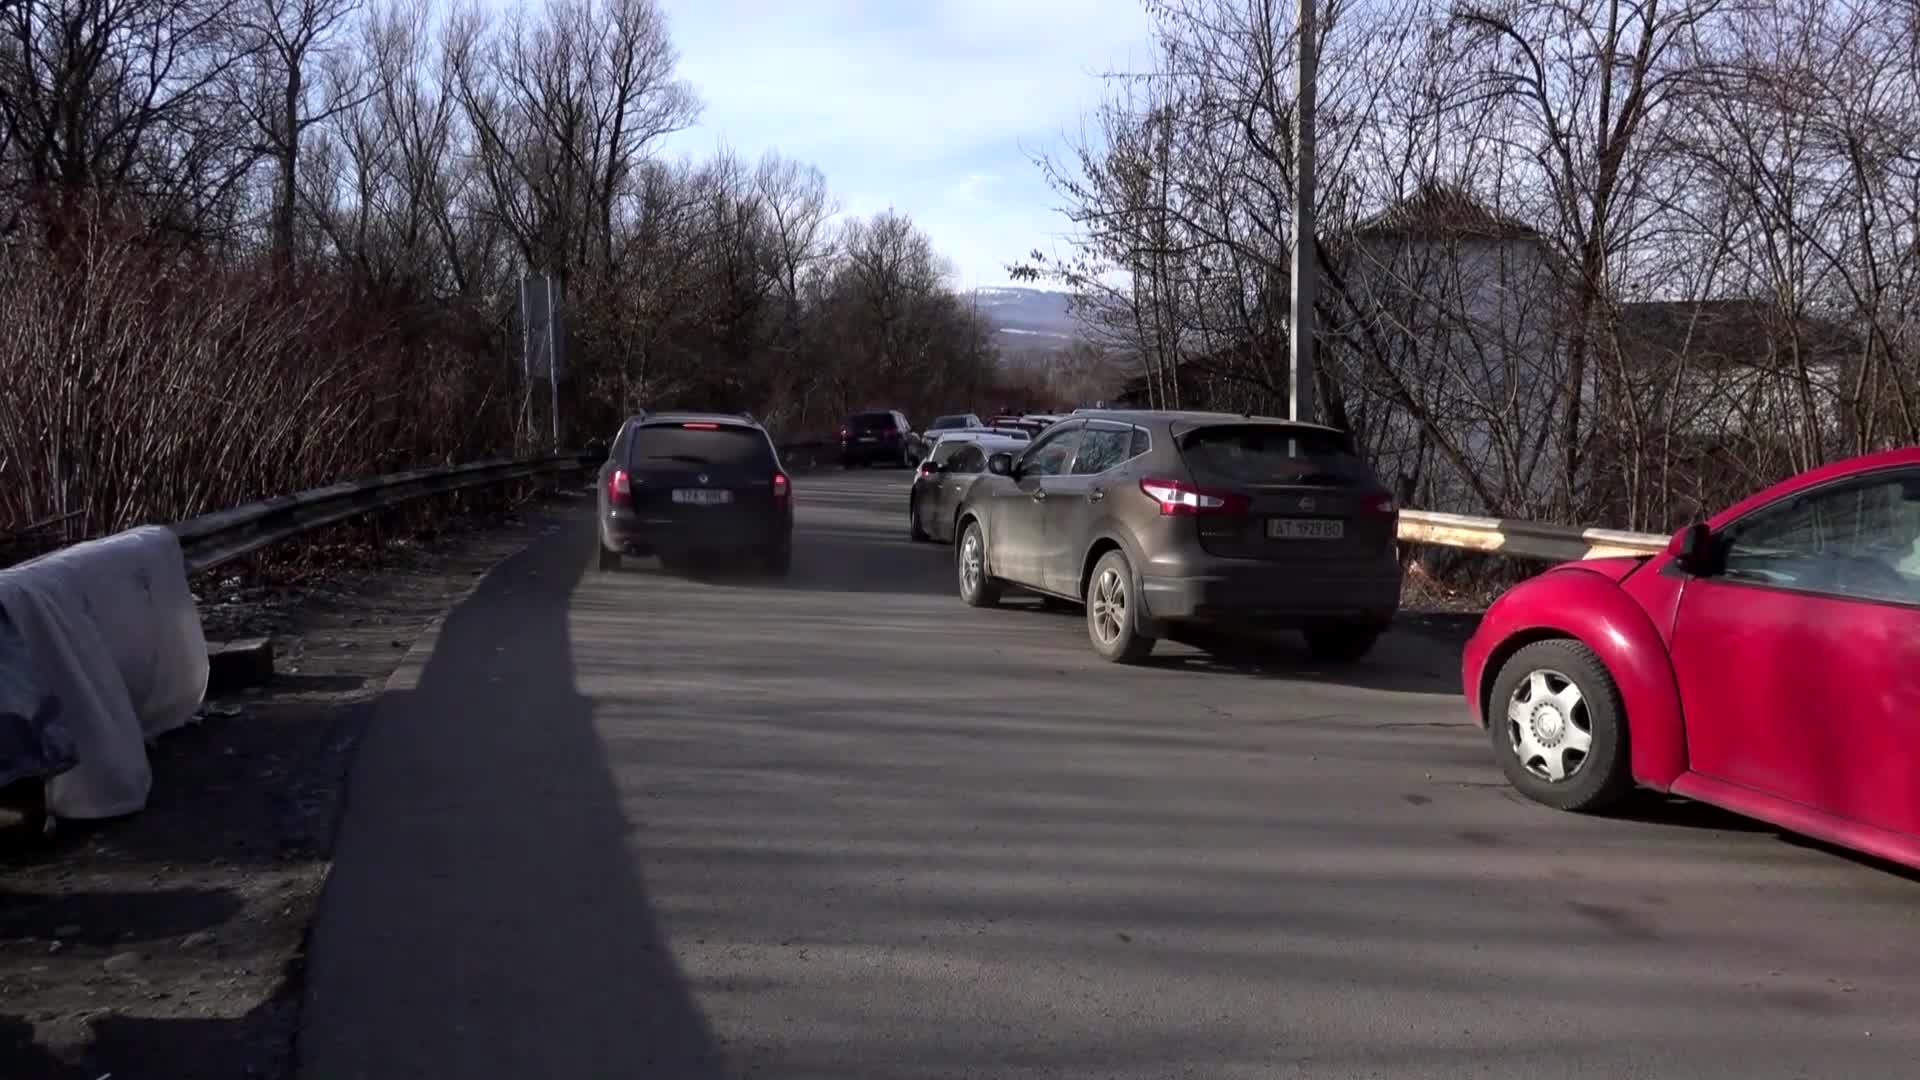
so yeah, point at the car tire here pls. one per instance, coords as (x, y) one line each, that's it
(1341, 643)
(609, 560)
(977, 587)
(1111, 624)
(915, 531)
(1545, 671)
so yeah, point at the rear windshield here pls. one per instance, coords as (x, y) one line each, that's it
(868, 421)
(1269, 454)
(946, 422)
(727, 444)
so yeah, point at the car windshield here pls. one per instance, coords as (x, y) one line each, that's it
(872, 421)
(722, 444)
(1273, 454)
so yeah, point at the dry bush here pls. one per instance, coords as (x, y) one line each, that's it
(141, 383)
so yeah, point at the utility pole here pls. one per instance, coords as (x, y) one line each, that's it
(1306, 275)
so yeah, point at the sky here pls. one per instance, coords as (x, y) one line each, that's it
(934, 108)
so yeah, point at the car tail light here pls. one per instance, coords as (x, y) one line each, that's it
(700, 425)
(926, 470)
(1381, 505)
(1176, 498)
(845, 434)
(782, 487)
(619, 488)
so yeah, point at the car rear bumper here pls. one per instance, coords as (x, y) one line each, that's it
(872, 451)
(1282, 594)
(626, 530)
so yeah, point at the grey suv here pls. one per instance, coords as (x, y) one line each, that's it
(1154, 519)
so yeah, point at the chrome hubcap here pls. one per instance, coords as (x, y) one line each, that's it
(1107, 606)
(1548, 726)
(970, 568)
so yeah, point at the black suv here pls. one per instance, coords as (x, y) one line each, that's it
(1155, 519)
(878, 435)
(681, 485)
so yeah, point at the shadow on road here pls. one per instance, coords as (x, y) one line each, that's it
(484, 918)
(846, 560)
(1399, 663)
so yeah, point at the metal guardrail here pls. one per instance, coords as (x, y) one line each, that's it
(219, 537)
(212, 539)
(1523, 539)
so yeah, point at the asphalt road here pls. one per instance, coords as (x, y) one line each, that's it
(640, 825)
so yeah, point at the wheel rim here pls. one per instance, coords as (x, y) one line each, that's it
(1107, 607)
(971, 563)
(1549, 725)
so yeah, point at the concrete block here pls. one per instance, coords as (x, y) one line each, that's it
(236, 665)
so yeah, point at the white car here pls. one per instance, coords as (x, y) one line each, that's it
(957, 459)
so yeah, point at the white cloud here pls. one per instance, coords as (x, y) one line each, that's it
(929, 107)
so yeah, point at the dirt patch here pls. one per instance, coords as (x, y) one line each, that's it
(169, 943)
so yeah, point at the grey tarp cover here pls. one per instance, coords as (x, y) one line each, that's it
(111, 630)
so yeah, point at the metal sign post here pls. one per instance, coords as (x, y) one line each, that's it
(553, 359)
(543, 338)
(1300, 385)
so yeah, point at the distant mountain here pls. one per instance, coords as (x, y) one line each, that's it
(1026, 320)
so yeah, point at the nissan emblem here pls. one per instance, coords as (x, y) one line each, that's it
(1306, 504)
(703, 478)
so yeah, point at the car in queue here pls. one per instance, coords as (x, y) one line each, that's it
(692, 485)
(876, 436)
(921, 442)
(1032, 425)
(1159, 520)
(1767, 662)
(941, 482)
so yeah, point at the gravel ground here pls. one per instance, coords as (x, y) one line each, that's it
(169, 944)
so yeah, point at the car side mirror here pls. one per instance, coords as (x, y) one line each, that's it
(1000, 464)
(1692, 549)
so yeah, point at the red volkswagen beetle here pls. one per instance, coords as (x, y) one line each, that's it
(1767, 662)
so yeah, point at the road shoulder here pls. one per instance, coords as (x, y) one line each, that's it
(170, 943)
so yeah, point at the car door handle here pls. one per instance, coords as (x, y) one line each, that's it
(1039, 494)
(1096, 494)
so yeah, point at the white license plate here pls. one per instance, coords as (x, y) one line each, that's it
(1305, 528)
(702, 496)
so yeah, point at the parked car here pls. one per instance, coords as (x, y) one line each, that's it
(1768, 662)
(1029, 424)
(879, 435)
(1156, 519)
(953, 422)
(921, 442)
(958, 459)
(682, 485)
